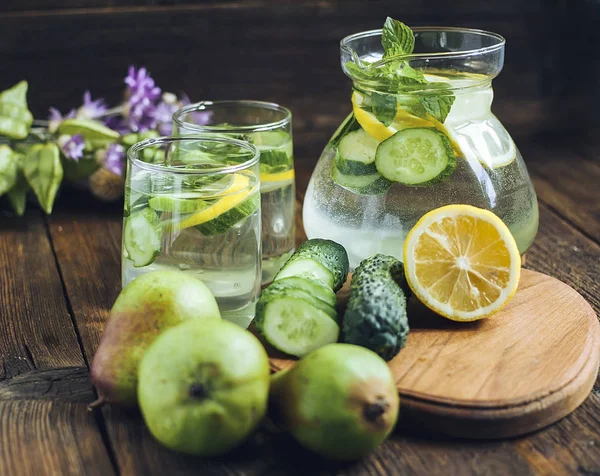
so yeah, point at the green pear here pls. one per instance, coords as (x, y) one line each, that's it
(339, 401)
(148, 305)
(204, 386)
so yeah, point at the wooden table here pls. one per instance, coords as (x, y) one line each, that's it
(59, 276)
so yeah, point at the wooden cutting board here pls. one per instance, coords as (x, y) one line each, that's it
(528, 366)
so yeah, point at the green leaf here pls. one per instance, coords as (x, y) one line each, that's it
(44, 173)
(91, 130)
(75, 171)
(8, 168)
(15, 117)
(384, 107)
(396, 38)
(18, 194)
(438, 104)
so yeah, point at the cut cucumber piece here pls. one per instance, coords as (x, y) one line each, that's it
(224, 221)
(280, 288)
(175, 204)
(356, 154)
(373, 184)
(294, 326)
(269, 139)
(306, 268)
(312, 257)
(416, 156)
(315, 288)
(142, 237)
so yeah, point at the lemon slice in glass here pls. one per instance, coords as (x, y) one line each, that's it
(462, 262)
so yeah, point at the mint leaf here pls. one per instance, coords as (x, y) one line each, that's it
(396, 38)
(439, 104)
(383, 106)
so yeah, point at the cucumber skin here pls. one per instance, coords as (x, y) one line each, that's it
(375, 316)
(261, 314)
(348, 125)
(225, 221)
(328, 253)
(378, 186)
(354, 167)
(443, 175)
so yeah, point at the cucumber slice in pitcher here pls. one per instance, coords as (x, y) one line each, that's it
(142, 237)
(356, 154)
(416, 156)
(373, 184)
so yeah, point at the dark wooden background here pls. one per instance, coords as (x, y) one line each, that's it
(287, 51)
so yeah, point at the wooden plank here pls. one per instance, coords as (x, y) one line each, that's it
(567, 182)
(45, 427)
(36, 331)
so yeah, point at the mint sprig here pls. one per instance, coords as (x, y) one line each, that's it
(398, 76)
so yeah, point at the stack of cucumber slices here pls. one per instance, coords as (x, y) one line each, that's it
(296, 313)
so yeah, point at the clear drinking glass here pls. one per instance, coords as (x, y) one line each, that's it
(350, 201)
(269, 127)
(193, 204)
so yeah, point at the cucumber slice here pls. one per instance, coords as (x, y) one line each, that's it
(306, 268)
(373, 184)
(315, 288)
(416, 156)
(177, 204)
(269, 139)
(356, 154)
(314, 256)
(142, 237)
(294, 326)
(223, 222)
(280, 288)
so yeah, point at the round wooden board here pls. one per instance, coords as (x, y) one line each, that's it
(530, 365)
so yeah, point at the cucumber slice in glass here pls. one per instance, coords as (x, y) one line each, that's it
(142, 237)
(416, 156)
(230, 217)
(184, 203)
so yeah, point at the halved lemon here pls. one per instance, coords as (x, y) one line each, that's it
(462, 262)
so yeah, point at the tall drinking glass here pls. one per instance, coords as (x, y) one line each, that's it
(269, 127)
(193, 204)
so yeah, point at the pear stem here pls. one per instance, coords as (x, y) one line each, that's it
(99, 402)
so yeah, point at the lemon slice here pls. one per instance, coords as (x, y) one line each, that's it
(462, 262)
(277, 177)
(237, 193)
(403, 120)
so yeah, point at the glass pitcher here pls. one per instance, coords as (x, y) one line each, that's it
(404, 151)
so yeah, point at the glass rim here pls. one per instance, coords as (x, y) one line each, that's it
(501, 41)
(225, 169)
(201, 106)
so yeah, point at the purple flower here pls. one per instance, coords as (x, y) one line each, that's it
(117, 123)
(91, 109)
(73, 147)
(141, 95)
(55, 118)
(115, 159)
